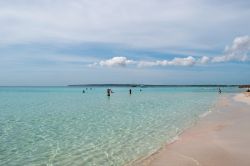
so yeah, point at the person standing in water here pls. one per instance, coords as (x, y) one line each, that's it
(108, 92)
(130, 91)
(219, 91)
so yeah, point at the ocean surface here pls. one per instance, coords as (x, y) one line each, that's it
(63, 126)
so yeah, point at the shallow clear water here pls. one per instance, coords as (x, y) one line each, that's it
(62, 126)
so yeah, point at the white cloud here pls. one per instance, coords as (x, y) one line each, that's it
(204, 60)
(188, 61)
(238, 51)
(229, 57)
(240, 45)
(115, 62)
(123, 61)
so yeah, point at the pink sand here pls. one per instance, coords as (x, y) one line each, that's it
(220, 139)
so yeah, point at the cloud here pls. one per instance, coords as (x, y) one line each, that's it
(204, 60)
(238, 51)
(124, 61)
(188, 61)
(240, 45)
(115, 62)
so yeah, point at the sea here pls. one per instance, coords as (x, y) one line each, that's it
(60, 126)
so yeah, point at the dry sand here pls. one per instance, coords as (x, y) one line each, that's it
(220, 139)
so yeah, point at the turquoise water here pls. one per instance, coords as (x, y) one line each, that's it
(63, 126)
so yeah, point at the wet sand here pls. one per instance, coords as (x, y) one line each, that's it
(220, 139)
(243, 97)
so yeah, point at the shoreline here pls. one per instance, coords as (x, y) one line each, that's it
(218, 138)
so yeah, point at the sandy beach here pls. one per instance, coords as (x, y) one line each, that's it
(219, 139)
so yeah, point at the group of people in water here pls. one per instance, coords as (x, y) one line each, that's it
(83, 91)
(109, 91)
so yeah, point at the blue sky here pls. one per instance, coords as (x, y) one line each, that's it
(52, 42)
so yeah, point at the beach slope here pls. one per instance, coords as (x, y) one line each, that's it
(221, 138)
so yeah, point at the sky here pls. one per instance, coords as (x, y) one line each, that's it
(62, 42)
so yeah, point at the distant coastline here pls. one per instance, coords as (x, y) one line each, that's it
(147, 85)
(134, 85)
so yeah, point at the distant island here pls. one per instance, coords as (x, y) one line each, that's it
(146, 85)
